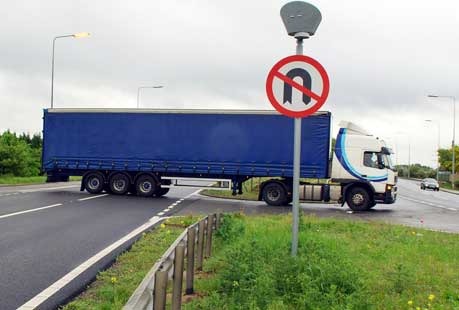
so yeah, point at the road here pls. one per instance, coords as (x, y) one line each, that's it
(48, 230)
(414, 207)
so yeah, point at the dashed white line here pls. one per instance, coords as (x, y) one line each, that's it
(29, 211)
(41, 297)
(92, 197)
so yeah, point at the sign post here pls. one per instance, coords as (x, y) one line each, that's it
(301, 20)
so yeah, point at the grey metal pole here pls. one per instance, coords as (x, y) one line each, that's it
(296, 170)
(52, 64)
(52, 75)
(438, 148)
(409, 158)
(138, 96)
(454, 138)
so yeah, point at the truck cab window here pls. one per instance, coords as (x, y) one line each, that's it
(371, 159)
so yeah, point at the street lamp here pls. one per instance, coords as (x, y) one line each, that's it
(138, 91)
(454, 132)
(76, 36)
(438, 144)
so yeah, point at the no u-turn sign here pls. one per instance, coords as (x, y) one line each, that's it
(297, 86)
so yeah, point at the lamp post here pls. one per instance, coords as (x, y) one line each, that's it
(409, 150)
(454, 133)
(138, 92)
(438, 144)
(76, 36)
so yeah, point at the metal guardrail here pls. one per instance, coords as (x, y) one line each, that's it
(194, 243)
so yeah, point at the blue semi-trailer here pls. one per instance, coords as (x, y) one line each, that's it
(144, 151)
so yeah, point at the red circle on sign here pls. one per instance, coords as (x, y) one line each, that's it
(319, 98)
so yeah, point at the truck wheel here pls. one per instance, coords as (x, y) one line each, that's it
(161, 191)
(119, 184)
(274, 194)
(358, 199)
(145, 186)
(94, 182)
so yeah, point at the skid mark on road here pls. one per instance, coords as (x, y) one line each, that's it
(428, 203)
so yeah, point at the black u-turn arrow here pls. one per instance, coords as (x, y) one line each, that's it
(305, 76)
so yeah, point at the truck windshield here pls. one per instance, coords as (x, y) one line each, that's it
(388, 161)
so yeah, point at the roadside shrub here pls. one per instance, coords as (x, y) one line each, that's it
(231, 227)
(259, 273)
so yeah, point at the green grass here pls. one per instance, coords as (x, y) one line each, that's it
(12, 180)
(113, 287)
(340, 265)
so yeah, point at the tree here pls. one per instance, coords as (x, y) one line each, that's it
(446, 158)
(17, 157)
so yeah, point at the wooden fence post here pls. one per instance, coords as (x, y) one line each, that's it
(217, 221)
(159, 294)
(177, 279)
(210, 224)
(200, 255)
(191, 238)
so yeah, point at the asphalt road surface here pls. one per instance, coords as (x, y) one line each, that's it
(414, 207)
(46, 231)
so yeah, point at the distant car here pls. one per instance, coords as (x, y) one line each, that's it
(430, 183)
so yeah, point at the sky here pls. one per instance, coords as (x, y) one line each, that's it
(383, 58)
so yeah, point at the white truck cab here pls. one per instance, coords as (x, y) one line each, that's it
(362, 166)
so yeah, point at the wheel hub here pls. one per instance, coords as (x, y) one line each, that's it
(145, 187)
(358, 199)
(273, 195)
(93, 183)
(119, 185)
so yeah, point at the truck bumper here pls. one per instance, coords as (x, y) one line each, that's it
(388, 197)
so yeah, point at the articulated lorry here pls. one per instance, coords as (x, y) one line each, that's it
(146, 152)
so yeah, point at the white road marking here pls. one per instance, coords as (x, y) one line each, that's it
(92, 197)
(161, 213)
(46, 189)
(29, 211)
(428, 203)
(41, 297)
(59, 284)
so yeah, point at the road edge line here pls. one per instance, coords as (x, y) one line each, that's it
(44, 295)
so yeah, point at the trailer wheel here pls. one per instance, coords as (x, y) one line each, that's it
(119, 184)
(358, 199)
(145, 186)
(274, 194)
(161, 191)
(94, 182)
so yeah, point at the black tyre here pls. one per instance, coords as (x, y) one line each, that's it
(161, 191)
(372, 205)
(358, 199)
(119, 184)
(94, 182)
(145, 186)
(274, 194)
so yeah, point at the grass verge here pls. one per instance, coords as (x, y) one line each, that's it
(12, 180)
(341, 264)
(113, 287)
